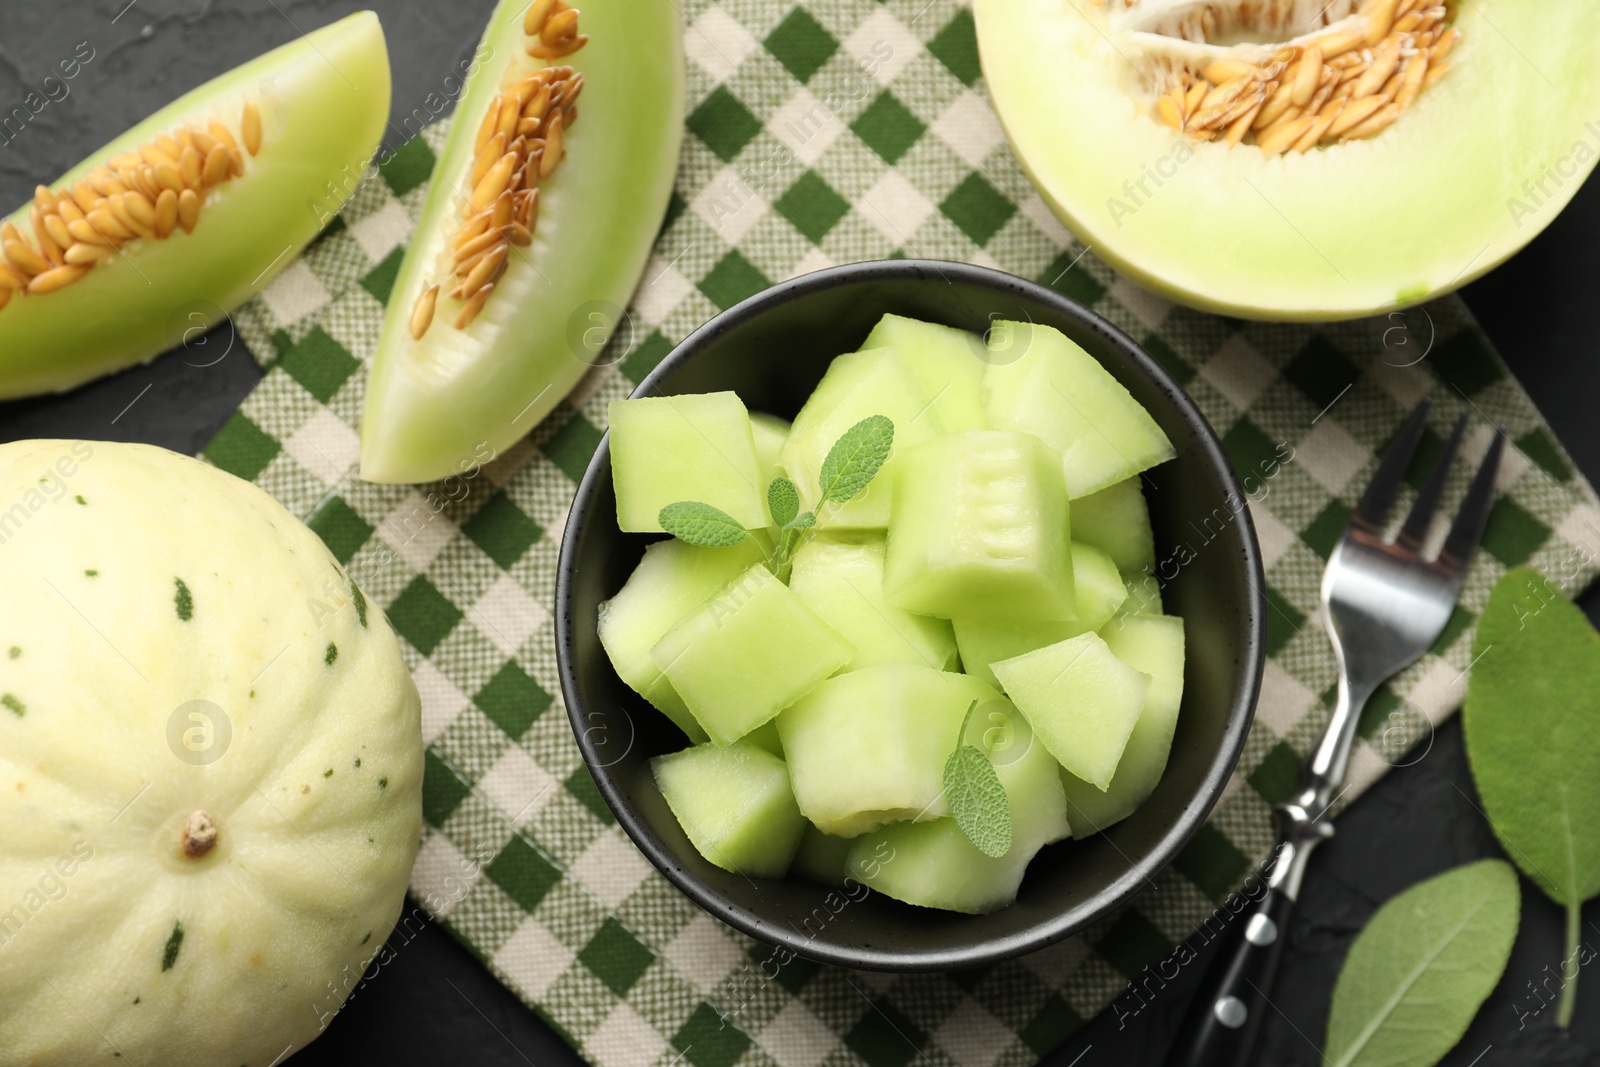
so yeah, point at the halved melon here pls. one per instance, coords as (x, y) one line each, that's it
(190, 213)
(1425, 176)
(528, 248)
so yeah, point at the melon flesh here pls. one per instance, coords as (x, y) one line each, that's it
(877, 381)
(747, 653)
(947, 362)
(934, 865)
(821, 857)
(868, 747)
(842, 581)
(980, 530)
(1473, 169)
(1116, 520)
(735, 805)
(699, 446)
(768, 432)
(1048, 386)
(1081, 700)
(672, 579)
(1152, 644)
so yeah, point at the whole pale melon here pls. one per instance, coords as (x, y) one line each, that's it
(210, 765)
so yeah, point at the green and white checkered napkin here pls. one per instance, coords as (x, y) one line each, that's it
(824, 132)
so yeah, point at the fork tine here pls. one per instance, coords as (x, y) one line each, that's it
(1415, 531)
(1373, 509)
(1468, 528)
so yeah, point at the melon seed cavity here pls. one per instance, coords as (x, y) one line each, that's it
(146, 193)
(519, 144)
(1347, 79)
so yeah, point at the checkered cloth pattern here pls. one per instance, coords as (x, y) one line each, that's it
(824, 132)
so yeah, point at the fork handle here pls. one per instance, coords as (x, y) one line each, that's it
(1224, 1020)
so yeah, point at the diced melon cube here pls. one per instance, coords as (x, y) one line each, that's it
(1097, 584)
(735, 805)
(948, 362)
(841, 579)
(1057, 391)
(1152, 644)
(868, 747)
(878, 381)
(697, 446)
(670, 581)
(980, 530)
(769, 433)
(933, 864)
(822, 857)
(1082, 701)
(765, 737)
(986, 641)
(1116, 520)
(747, 653)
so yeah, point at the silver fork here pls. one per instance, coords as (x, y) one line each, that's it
(1384, 605)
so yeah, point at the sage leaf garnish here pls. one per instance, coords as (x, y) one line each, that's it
(855, 459)
(1422, 967)
(1532, 722)
(783, 501)
(701, 524)
(976, 799)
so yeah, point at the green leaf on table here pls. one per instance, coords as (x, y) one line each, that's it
(976, 798)
(855, 459)
(701, 524)
(1427, 960)
(1532, 722)
(783, 501)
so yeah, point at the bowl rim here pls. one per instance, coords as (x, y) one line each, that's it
(1142, 873)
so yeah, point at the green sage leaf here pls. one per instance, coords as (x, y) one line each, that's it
(1532, 722)
(1425, 963)
(803, 521)
(701, 524)
(976, 799)
(783, 501)
(855, 459)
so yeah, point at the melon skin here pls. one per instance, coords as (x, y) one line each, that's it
(324, 102)
(309, 868)
(694, 447)
(841, 579)
(1153, 645)
(868, 747)
(434, 404)
(747, 653)
(735, 805)
(1081, 700)
(672, 579)
(1302, 237)
(980, 529)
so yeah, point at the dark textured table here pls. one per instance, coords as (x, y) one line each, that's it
(433, 1002)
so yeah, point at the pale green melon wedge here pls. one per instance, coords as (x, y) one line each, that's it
(841, 579)
(735, 805)
(868, 747)
(672, 579)
(1048, 386)
(765, 737)
(1116, 520)
(980, 530)
(1144, 594)
(697, 446)
(948, 362)
(877, 381)
(1082, 701)
(821, 857)
(1097, 591)
(747, 653)
(933, 864)
(1152, 644)
(769, 433)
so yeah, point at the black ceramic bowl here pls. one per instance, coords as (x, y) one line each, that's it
(772, 350)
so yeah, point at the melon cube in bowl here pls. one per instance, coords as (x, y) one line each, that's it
(692, 447)
(979, 530)
(841, 579)
(735, 805)
(747, 653)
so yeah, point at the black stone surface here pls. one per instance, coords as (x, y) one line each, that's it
(432, 1002)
